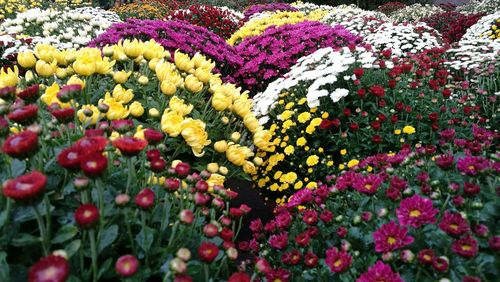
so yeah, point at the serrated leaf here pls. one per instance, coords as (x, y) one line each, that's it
(65, 233)
(107, 237)
(73, 247)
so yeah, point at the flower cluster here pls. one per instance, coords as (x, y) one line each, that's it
(415, 12)
(452, 25)
(404, 39)
(391, 7)
(221, 21)
(474, 56)
(269, 55)
(336, 106)
(479, 6)
(485, 28)
(344, 13)
(174, 35)
(307, 7)
(360, 25)
(9, 8)
(410, 216)
(272, 7)
(257, 26)
(69, 27)
(149, 9)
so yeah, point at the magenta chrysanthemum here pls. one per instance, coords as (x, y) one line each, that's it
(416, 211)
(379, 272)
(390, 237)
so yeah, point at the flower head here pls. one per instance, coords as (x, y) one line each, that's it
(25, 187)
(126, 265)
(416, 211)
(52, 268)
(466, 247)
(390, 237)
(130, 146)
(379, 272)
(337, 261)
(87, 215)
(208, 251)
(21, 145)
(454, 224)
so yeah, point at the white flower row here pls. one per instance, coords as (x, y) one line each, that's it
(403, 38)
(481, 28)
(73, 27)
(321, 68)
(343, 13)
(480, 6)
(306, 7)
(474, 55)
(415, 12)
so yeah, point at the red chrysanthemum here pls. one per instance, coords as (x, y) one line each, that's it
(416, 211)
(122, 125)
(86, 215)
(337, 261)
(153, 136)
(367, 184)
(208, 251)
(25, 187)
(25, 115)
(71, 157)
(379, 272)
(145, 199)
(30, 94)
(425, 256)
(390, 237)
(377, 90)
(239, 277)
(91, 144)
(64, 115)
(21, 145)
(466, 247)
(94, 164)
(51, 268)
(130, 146)
(126, 265)
(454, 224)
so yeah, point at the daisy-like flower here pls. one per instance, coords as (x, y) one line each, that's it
(86, 215)
(390, 237)
(130, 146)
(379, 272)
(416, 211)
(338, 261)
(466, 247)
(368, 184)
(25, 187)
(52, 268)
(454, 224)
(472, 165)
(21, 145)
(126, 265)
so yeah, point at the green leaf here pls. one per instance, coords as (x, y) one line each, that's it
(3, 218)
(107, 237)
(104, 267)
(65, 233)
(25, 239)
(145, 238)
(17, 167)
(4, 267)
(73, 247)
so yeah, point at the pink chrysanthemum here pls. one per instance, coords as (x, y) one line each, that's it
(380, 272)
(390, 237)
(337, 261)
(416, 211)
(368, 184)
(454, 224)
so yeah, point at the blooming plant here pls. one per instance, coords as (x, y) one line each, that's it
(149, 9)
(268, 56)
(174, 35)
(69, 27)
(415, 12)
(471, 57)
(479, 6)
(9, 8)
(344, 13)
(404, 39)
(335, 107)
(359, 25)
(272, 7)
(391, 7)
(126, 113)
(221, 21)
(424, 215)
(307, 7)
(452, 25)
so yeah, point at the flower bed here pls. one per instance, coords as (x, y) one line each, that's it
(334, 108)
(174, 35)
(69, 27)
(222, 22)
(272, 7)
(268, 56)
(410, 216)
(391, 7)
(485, 28)
(452, 25)
(404, 39)
(126, 113)
(415, 12)
(149, 9)
(344, 13)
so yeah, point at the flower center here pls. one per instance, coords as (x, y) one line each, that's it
(16, 140)
(337, 263)
(391, 240)
(466, 248)
(427, 258)
(368, 186)
(72, 156)
(471, 167)
(50, 273)
(87, 214)
(415, 213)
(92, 164)
(453, 226)
(23, 186)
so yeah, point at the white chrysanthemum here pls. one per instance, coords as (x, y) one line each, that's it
(404, 38)
(415, 12)
(344, 13)
(480, 6)
(314, 72)
(482, 29)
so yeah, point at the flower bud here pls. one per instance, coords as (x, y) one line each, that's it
(186, 216)
(232, 253)
(122, 199)
(81, 182)
(178, 266)
(382, 212)
(184, 254)
(407, 256)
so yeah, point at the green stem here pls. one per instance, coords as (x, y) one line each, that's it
(93, 251)
(129, 231)
(207, 272)
(131, 173)
(174, 231)
(47, 217)
(143, 224)
(43, 233)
